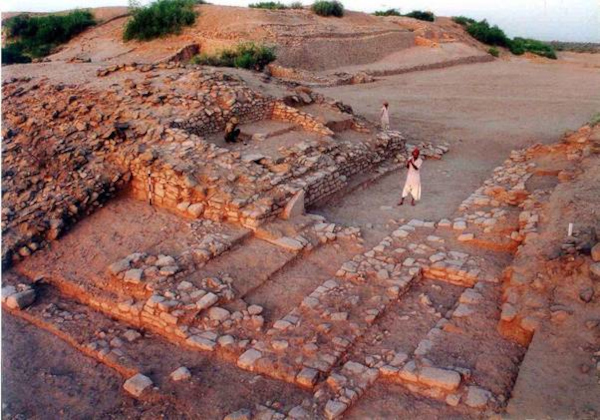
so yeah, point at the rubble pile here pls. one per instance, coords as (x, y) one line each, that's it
(56, 159)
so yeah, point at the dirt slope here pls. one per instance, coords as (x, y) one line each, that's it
(219, 26)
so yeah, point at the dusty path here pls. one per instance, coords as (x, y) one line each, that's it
(483, 110)
(66, 383)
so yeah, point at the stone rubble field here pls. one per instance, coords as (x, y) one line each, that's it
(194, 269)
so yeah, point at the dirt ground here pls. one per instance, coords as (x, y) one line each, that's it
(66, 383)
(483, 110)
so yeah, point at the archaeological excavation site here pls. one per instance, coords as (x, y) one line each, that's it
(152, 269)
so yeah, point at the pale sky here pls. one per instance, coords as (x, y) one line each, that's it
(564, 20)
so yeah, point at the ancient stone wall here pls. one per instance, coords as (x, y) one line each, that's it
(283, 112)
(141, 134)
(328, 52)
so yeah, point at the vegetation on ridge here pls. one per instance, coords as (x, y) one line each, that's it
(246, 55)
(328, 8)
(388, 12)
(275, 5)
(495, 37)
(160, 18)
(37, 36)
(415, 14)
(421, 15)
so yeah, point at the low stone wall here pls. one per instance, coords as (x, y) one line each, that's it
(283, 112)
(177, 189)
(362, 160)
(215, 119)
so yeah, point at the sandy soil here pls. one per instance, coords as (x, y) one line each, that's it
(416, 56)
(66, 383)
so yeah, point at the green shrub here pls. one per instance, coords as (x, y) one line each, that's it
(595, 119)
(491, 35)
(272, 5)
(328, 8)
(494, 51)
(463, 20)
(12, 53)
(246, 55)
(158, 19)
(519, 46)
(388, 12)
(420, 15)
(37, 36)
(296, 5)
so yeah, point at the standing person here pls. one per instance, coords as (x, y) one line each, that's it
(385, 116)
(413, 179)
(231, 130)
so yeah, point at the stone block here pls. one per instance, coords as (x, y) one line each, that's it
(477, 397)
(249, 358)
(21, 300)
(131, 335)
(294, 207)
(439, 378)
(133, 276)
(334, 409)
(119, 266)
(181, 374)
(307, 377)
(196, 210)
(201, 343)
(164, 260)
(137, 384)
(207, 301)
(7, 291)
(218, 314)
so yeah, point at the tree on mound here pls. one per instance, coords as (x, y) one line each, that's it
(271, 5)
(328, 8)
(160, 18)
(421, 15)
(388, 12)
(492, 35)
(415, 14)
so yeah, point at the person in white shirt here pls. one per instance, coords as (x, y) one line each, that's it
(413, 179)
(385, 116)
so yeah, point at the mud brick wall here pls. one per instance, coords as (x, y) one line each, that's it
(329, 52)
(361, 161)
(214, 119)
